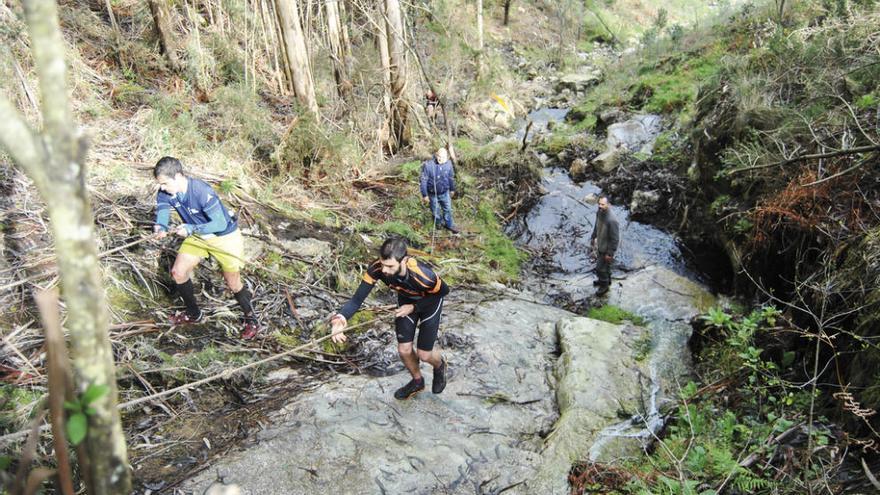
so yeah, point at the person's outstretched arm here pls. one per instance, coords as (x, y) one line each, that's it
(339, 321)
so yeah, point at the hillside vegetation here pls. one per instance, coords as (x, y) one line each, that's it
(770, 155)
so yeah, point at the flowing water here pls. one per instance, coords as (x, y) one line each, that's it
(650, 276)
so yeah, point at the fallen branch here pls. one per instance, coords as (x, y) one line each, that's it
(849, 151)
(5, 439)
(39, 276)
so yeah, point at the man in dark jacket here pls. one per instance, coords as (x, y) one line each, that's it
(437, 185)
(604, 242)
(420, 294)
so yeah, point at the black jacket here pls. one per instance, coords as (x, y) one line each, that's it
(606, 234)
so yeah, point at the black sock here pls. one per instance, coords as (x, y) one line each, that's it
(244, 302)
(187, 293)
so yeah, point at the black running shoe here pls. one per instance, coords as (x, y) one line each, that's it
(410, 389)
(603, 289)
(439, 382)
(596, 283)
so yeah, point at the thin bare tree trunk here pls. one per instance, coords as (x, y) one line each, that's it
(276, 67)
(162, 17)
(338, 49)
(55, 161)
(396, 52)
(297, 58)
(386, 63)
(480, 26)
(507, 11)
(479, 37)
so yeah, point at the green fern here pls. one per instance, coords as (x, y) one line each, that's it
(751, 484)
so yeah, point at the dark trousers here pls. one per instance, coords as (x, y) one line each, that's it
(603, 270)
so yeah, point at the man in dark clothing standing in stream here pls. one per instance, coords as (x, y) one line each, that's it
(420, 294)
(604, 242)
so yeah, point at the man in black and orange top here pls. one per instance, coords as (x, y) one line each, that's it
(420, 294)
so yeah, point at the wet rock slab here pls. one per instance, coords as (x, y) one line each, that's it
(536, 389)
(485, 432)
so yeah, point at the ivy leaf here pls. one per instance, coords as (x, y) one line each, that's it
(72, 406)
(787, 358)
(77, 426)
(93, 393)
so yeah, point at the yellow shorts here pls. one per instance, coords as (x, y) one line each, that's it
(228, 249)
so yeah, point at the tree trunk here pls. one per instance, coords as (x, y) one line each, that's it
(507, 11)
(55, 161)
(479, 37)
(297, 58)
(338, 48)
(480, 26)
(396, 54)
(162, 17)
(382, 40)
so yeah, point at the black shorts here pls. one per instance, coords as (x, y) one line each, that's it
(427, 321)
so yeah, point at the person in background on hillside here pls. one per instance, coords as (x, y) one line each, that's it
(208, 230)
(432, 105)
(604, 241)
(420, 294)
(437, 185)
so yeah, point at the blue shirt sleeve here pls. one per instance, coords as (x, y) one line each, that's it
(216, 224)
(163, 210)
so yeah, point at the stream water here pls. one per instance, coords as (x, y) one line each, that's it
(557, 231)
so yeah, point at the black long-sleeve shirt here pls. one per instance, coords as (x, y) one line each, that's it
(420, 286)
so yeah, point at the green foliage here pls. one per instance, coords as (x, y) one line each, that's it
(498, 249)
(614, 314)
(310, 151)
(642, 346)
(869, 101)
(290, 269)
(237, 114)
(710, 434)
(79, 409)
(410, 170)
(392, 227)
(16, 404)
(171, 127)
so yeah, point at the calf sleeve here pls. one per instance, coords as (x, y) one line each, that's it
(187, 293)
(244, 302)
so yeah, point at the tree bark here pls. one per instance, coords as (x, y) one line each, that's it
(507, 11)
(382, 40)
(296, 55)
(55, 161)
(397, 56)
(338, 48)
(479, 37)
(480, 26)
(162, 17)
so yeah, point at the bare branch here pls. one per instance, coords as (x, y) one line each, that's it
(47, 46)
(23, 145)
(848, 151)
